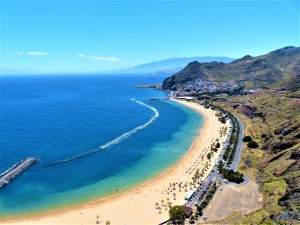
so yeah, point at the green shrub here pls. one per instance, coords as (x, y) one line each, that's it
(233, 176)
(208, 155)
(247, 139)
(177, 213)
(263, 136)
(222, 119)
(199, 208)
(252, 144)
(204, 203)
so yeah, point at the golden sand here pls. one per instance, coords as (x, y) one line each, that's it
(148, 203)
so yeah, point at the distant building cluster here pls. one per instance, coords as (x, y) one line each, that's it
(202, 86)
(250, 91)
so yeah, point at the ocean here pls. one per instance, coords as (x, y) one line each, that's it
(94, 135)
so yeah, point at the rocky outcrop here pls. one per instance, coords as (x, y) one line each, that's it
(295, 155)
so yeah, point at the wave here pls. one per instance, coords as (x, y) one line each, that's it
(113, 142)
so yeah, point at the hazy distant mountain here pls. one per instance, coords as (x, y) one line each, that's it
(275, 67)
(173, 65)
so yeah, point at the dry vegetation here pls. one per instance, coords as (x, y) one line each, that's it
(273, 120)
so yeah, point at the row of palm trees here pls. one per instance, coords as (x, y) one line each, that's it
(185, 185)
(98, 221)
(166, 205)
(213, 148)
(223, 131)
(196, 178)
(199, 175)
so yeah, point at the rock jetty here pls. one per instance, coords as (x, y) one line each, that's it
(17, 169)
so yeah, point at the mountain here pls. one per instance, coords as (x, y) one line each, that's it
(272, 119)
(173, 65)
(277, 66)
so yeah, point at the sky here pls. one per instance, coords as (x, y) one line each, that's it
(94, 36)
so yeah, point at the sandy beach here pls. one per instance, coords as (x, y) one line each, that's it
(148, 203)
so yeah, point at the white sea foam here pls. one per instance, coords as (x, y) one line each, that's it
(115, 141)
(176, 150)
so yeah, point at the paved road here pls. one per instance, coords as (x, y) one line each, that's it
(239, 148)
(213, 175)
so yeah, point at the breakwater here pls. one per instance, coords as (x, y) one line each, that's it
(154, 86)
(17, 169)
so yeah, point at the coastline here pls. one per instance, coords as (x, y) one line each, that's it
(143, 198)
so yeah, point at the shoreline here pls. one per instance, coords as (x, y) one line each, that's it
(132, 189)
(105, 207)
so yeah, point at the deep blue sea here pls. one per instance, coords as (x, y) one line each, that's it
(93, 134)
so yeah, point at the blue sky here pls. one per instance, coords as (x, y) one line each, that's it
(91, 36)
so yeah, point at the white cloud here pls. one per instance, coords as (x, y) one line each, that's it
(37, 53)
(17, 52)
(108, 59)
(82, 55)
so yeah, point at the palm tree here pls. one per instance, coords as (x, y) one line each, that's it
(156, 205)
(97, 221)
(185, 185)
(107, 222)
(202, 174)
(162, 202)
(192, 219)
(197, 175)
(159, 210)
(168, 199)
(194, 179)
(174, 196)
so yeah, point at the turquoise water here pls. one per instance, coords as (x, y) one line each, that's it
(93, 135)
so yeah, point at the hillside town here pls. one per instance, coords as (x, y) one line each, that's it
(203, 86)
